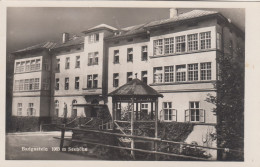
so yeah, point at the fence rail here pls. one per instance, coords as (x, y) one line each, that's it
(156, 140)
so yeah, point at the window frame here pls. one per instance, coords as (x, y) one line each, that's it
(77, 62)
(19, 109)
(160, 75)
(193, 42)
(115, 80)
(193, 72)
(67, 63)
(170, 74)
(66, 85)
(208, 72)
(179, 74)
(77, 79)
(130, 54)
(144, 53)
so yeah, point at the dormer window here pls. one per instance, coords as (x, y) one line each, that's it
(93, 38)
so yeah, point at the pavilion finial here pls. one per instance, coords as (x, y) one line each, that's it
(135, 75)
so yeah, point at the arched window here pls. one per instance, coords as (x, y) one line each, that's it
(56, 108)
(74, 108)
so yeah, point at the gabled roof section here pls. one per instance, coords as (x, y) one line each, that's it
(100, 27)
(142, 28)
(185, 16)
(135, 88)
(45, 45)
(71, 42)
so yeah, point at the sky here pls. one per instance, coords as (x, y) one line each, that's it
(27, 26)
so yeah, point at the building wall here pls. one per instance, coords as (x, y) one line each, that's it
(180, 102)
(38, 97)
(68, 100)
(25, 100)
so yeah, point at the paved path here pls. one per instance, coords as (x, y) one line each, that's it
(15, 142)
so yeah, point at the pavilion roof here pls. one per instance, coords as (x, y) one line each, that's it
(135, 88)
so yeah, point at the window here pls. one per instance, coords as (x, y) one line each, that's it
(17, 67)
(27, 66)
(169, 45)
(129, 76)
(36, 83)
(58, 65)
(57, 84)
(45, 84)
(219, 41)
(180, 44)
(16, 85)
(19, 109)
(116, 56)
(196, 114)
(31, 84)
(205, 71)
(95, 81)
(144, 110)
(76, 82)
(192, 42)
(144, 53)
(57, 104)
(77, 65)
(192, 72)
(38, 64)
(22, 67)
(157, 75)
(32, 65)
(96, 58)
(205, 40)
(115, 79)
(158, 47)
(144, 76)
(169, 112)
(90, 79)
(67, 63)
(66, 83)
(93, 38)
(21, 85)
(130, 55)
(168, 73)
(90, 58)
(30, 110)
(181, 73)
(26, 84)
(74, 108)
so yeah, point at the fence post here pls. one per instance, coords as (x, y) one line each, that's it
(64, 125)
(41, 127)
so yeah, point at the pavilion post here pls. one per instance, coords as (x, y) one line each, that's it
(136, 116)
(156, 127)
(132, 128)
(151, 110)
(113, 114)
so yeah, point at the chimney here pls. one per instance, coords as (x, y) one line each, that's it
(173, 12)
(65, 37)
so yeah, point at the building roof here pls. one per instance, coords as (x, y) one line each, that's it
(45, 45)
(135, 88)
(100, 27)
(71, 42)
(185, 16)
(142, 28)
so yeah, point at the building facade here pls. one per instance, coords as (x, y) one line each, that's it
(176, 56)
